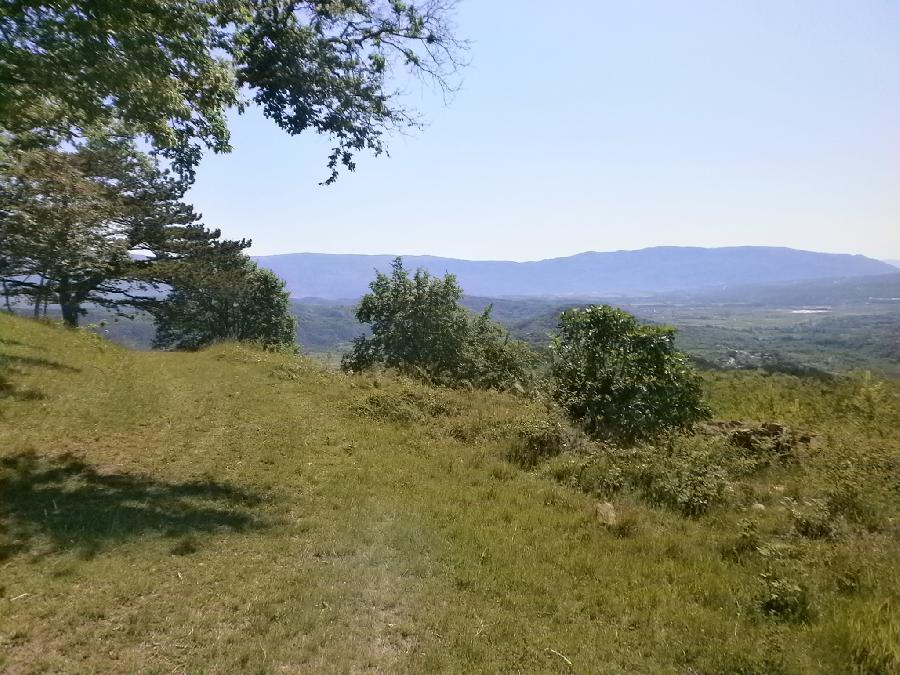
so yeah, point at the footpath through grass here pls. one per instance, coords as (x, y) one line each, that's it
(239, 510)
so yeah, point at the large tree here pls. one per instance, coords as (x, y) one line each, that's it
(85, 224)
(170, 69)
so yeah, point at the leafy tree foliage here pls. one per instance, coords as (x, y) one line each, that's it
(621, 379)
(170, 69)
(419, 328)
(226, 297)
(72, 222)
(102, 223)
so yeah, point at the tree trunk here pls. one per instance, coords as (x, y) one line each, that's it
(70, 314)
(38, 295)
(69, 306)
(6, 297)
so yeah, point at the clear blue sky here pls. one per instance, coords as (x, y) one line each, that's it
(595, 125)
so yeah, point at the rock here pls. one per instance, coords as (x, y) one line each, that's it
(767, 441)
(758, 507)
(605, 514)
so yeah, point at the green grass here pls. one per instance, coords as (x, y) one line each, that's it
(239, 510)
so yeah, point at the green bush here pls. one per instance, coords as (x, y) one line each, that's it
(539, 438)
(785, 600)
(622, 380)
(689, 474)
(420, 329)
(814, 520)
(870, 399)
(602, 478)
(691, 483)
(767, 443)
(236, 300)
(403, 407)
(746, 543)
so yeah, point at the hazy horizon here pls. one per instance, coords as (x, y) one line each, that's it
(563, 255)
(609, 126)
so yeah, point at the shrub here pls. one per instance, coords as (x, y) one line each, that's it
(238, 301)
(690, 484)
(538, 438)
(746, 543)
(784, 599)
(627, 526)
(686, 475)
(766, 443)
(420, 329)
(402, 407)
(623, 380)
(814, 520)
(847, 573)
(602, 478)
(870, 399)
(845, 496)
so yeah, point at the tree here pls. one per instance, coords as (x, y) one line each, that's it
(225, 297)
(89, 224)
(419, 328)
(492, 359)
(102, 223)
(170, 69)
(620, 379)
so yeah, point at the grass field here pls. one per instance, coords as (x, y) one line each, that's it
(235, 510)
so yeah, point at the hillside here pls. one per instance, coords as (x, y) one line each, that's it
(649, 270)
(237, 510)
(858, 331)
(854, 323)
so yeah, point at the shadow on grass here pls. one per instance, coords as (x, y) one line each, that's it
(63, 504)
(9, 390)
(11, 364)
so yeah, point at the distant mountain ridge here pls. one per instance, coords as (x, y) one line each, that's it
(651, 270)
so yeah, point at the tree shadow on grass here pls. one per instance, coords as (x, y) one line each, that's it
(62, 504)
(9, 390)
(12, 364)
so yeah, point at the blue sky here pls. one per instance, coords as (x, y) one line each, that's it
(593, 125)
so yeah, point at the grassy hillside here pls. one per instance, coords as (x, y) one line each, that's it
(239, 510)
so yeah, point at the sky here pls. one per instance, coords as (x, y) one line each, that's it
(596, 125)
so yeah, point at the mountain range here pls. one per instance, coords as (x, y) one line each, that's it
(662, 269)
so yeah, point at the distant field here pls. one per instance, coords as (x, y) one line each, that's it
(235, 510)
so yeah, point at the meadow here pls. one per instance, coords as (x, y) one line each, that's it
(236, 509)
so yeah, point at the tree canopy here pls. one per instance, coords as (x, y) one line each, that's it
(88, 224)
(105, 224)
(170, 69)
